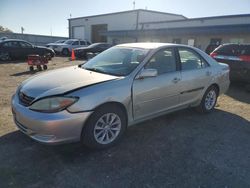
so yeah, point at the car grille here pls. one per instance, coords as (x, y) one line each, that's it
(25, 99)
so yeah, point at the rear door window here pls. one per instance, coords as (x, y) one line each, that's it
(25, 45)
(190, 60)
(82, 42)
(75, 43)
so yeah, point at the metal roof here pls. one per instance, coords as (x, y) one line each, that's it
(128, 11)
(200, 18)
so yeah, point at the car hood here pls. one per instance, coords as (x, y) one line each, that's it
(61, 44)
(61, 81)
(54, 44)
(82, 48)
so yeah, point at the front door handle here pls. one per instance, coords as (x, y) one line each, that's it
(175, 80)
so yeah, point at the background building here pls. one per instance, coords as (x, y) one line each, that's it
(91, 27)
(151, 26)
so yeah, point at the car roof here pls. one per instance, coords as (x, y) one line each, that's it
(76, 39)
(8, 40)
(149, 45)
(236, 44)
(100, 43)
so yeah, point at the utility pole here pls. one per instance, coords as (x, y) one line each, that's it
(22, 30)
(133, 5)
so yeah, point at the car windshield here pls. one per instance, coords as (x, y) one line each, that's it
(118, 61)
(60, 41)
(69, 41)
(93, 45)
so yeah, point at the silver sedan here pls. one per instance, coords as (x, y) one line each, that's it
(95, 102)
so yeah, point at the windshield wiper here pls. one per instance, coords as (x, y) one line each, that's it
(96, 70)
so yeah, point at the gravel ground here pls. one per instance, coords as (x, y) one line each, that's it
(182, 149)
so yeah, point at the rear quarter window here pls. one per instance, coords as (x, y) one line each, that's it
(229, 50)
(245, 50)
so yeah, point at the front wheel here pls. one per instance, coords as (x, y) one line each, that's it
(104, 128)
(5, 56)
(209, 100)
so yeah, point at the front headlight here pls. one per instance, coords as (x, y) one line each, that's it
(53, 104)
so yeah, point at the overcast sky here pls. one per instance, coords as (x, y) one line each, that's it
(50, 16)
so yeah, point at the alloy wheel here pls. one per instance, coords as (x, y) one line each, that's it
(107, 128)
(210, 100)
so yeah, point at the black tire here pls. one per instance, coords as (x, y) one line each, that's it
(247, 88)
(45, 67)
(203, 107)
(39, 67)
(65, 52)
(31, 68)
(88, 135)
(5, 56)
(48, 56)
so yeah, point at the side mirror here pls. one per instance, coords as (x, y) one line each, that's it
(146, 73)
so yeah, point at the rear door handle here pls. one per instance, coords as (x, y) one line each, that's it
(175, 80)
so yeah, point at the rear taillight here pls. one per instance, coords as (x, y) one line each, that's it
(245, 58)
(213, 54)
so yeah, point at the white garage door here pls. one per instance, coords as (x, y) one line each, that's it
(79, 32)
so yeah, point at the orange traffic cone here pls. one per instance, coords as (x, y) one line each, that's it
(73, 55)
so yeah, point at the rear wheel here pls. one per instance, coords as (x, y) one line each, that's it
(105, 127)
(48, 56)
(45, 67)
(31, 68)
(209, 100)
(65, 52)
(248, 87)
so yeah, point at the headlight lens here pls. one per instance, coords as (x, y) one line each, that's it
(53, 104)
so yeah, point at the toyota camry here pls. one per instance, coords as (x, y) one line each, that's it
(95, 102)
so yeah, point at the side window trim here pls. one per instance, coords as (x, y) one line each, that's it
(177, 59)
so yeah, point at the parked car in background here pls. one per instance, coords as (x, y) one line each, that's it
(211, 47)
(3, 38)
(53, 44)
(93, 48)
(237, 56)
(66, 47)
(126, 84)
(11, 49)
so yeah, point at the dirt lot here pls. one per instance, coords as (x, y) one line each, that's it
(182, 149)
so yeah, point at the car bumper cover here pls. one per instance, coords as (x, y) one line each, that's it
(49, 128)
